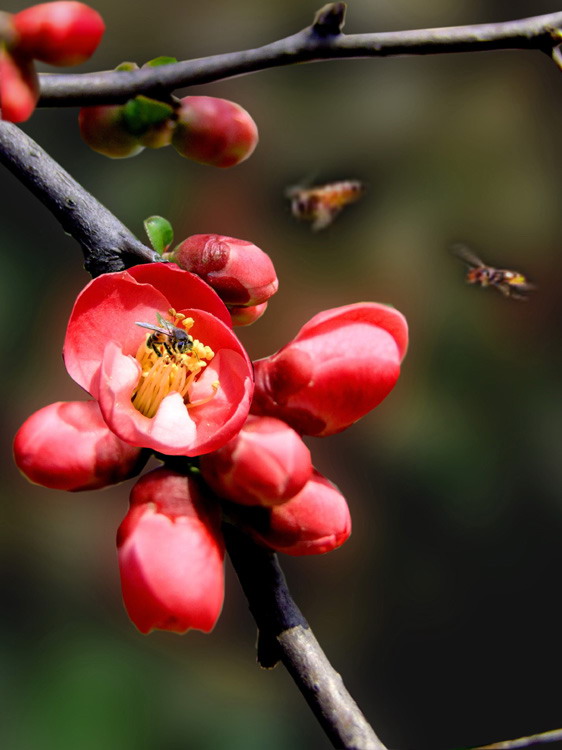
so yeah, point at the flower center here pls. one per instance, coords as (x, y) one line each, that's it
(171, 360)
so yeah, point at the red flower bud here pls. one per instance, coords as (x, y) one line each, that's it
(239, 272)
(171, 555)
(214, 131)
(68, 446)
(267, 463)
(59, 33)
(315, 521)
(103, 129)
(19, 87)
(341, 364)
(245, 316)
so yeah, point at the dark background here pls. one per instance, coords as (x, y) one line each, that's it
(442, 611)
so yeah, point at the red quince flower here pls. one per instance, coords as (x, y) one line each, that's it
(340, 365)
(68, 446)
(19, 87)
(59, 33)
(171, 553)
(267, 463)
(315, 521)
(184, 393)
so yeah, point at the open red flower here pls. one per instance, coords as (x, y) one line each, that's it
(339, 366)
(183, 389)
(171, 553)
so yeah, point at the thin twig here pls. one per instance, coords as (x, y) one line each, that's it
(320, 41)
(285, 635)
(107, 244)
(533, 739)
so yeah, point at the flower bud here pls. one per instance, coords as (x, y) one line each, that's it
(315, 521)
(19, 87)
(59, 33)
(240, 273)
(245, 316)
(103, 129)
(341, 364)
(158, 136)
(68, 446)
(214, 131)
(267, 463)
(171, 553)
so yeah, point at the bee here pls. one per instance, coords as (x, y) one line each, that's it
(167, 336)
(510, 283)
(321, 204)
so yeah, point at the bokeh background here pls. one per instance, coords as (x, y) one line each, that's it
(442, 612)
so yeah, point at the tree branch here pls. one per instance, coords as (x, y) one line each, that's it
(285, 635)
(534, 739)
(107, 244)
(322, 40)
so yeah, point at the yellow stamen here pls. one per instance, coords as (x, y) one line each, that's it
(166, 369)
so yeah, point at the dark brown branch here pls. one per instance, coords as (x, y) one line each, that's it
(285, 635)
(322, 40)
(106, 243)
(534, 739)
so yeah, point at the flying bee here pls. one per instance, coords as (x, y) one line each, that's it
(510, 283)
(167, 336)
(321, 204)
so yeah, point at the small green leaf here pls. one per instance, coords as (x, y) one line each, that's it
(127, 66)
(160, 233)
(162, 60)
(141, 113)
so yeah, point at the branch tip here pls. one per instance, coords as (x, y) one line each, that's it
(556, 55)
(329, 20)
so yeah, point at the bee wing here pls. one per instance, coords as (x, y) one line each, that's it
(519, 291)
(153, 328)
(324, 216)
(465, 254)
(169, 327)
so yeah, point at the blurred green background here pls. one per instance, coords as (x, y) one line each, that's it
(442, 611)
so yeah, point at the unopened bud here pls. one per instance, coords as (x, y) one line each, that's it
(240, 273)
(214, 131)
(267, 463)
(103, 129)
(171, 553)
(59, 33)
(315, 521)
(245, 316)
(68, 446)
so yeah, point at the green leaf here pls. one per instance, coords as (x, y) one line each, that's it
(126, 66)
(162, 60)
(160, 233)
(141, 113)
